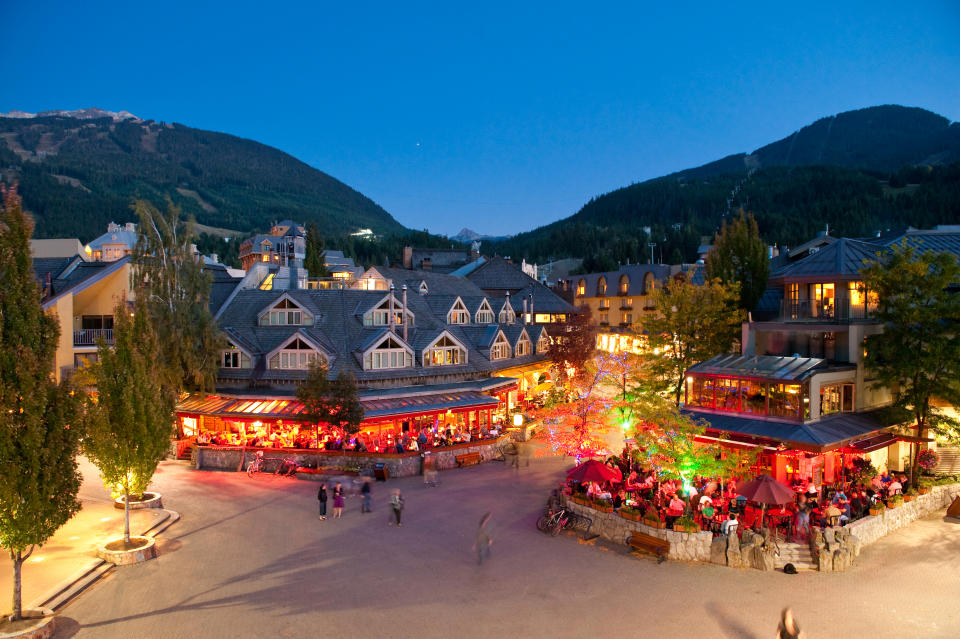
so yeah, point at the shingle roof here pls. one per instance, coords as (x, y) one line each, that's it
(496, 274)
(844, 257)
(936, 240)
(636, 276)
(68, 274)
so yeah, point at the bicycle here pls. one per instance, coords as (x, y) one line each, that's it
(554, 521)
(257, 465)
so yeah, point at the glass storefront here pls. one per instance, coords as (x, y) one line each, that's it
(754, 397)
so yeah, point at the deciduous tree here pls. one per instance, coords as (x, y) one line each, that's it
(579, 425)
(574, 345)
(690, 323)
(918, 353)
(176, 291)
(130, 424)
(739, 255)
(334, 402)
(39, 419)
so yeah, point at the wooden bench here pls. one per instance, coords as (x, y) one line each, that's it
(468, 459)
(655, 545)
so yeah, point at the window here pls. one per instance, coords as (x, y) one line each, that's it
(507, 315)
(500, 348)
(836, 398)
(380, 316)
(389, 354)
(524, 347)
(626, 318)
(581, 288)
(484, 314)
(286, 313)
(604, 304)
(423, 288)
(823, 297)
(445, 352)
(649, 283)
(604, 318)
(297, 355)
(624, 284)
(233, 357)
(543, 343)
(458, 314)
(601, 286)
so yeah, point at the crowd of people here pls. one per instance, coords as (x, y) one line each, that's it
(715, 505)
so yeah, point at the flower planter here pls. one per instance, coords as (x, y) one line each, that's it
(893, 504)
(631, 516)
(602, 508)
(37, 623)
(685, 529)
(924, 490)
(876, 512)
(909, 498)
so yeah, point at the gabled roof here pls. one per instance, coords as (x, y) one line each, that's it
(496, 274)
(939, 240)
(114, 237)
(636, 273)
(72, 275)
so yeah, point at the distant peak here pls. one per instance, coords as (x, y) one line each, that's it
(80, 114)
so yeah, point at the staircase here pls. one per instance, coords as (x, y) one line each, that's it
(797, 554)
(949, 461)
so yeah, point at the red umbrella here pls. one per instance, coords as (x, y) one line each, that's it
(766, 490)
(592, 470)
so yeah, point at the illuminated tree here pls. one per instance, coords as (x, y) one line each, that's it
(130, 424)
(578, 426)
(39, 434)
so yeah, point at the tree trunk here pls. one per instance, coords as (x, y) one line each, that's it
(18, 558)
(126, 514)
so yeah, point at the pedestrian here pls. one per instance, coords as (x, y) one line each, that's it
(396, 502)
(788, 628)
(365, 493)
(483, 540)
(337, 500)
(322, 500)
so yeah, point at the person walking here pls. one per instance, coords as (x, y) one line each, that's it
(322, 500)
(788, 628)
(365, 493)
(337, 500)
(483, 540)
(396, 503)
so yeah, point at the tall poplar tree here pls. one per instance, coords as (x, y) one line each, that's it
(170, 279)
(918, 353)
(690, 324)
(130, 425)
(39, 419)
(314, 260)
(739, 255)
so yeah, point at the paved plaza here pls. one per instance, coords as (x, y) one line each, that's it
(249, 558)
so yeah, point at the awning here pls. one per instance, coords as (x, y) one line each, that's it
(436, 403)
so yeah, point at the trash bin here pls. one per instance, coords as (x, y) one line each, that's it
(381, 472)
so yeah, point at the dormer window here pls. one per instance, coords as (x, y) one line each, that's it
(458, 314)
(233, 357)
(423, 288)
(286, 313)
(624, 284)
(380, 315)
(602, 286)
(484, 313)
(507, 315)
(445, 352)
(296, 355)
(524, 347)
(388, 353)
(501, 348)
(581, 288)
(543, 343)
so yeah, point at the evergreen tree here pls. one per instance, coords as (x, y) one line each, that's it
(918, 353)
(130, 425)
(690, 323)
(39, 429)
(176, 291)
(314, 261)
(739, 254)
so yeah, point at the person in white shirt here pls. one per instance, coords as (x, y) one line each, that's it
(894, 488)
(730, 525)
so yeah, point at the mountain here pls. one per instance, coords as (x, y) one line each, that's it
(78, 170)
(860, 172)
(465, 236)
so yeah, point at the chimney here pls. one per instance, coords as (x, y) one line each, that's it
(390, 318)
(408, 257)
(524, 310)
(509, 309)
(426, 264)
(404, 289)
(532, 316)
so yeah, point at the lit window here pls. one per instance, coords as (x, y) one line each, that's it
(286, 313)
(543, 344)
(380, 316)
(507, 315)
(484, 314)
(297, 355)
(602, 286)
(523, 346)
(445, 352)
(500, 348)
(624, 284)
(389, 354)
(581, 288)
(458, 314)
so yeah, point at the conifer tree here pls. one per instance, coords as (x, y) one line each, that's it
(314, 260)
(39, 419)
(130, 425)
(334, 402)
(176, 292)
(739, 255)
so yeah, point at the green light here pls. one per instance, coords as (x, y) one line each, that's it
(625, 425)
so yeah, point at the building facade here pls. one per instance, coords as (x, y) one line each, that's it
(285, 245)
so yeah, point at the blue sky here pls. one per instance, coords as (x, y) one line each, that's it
(499, 116)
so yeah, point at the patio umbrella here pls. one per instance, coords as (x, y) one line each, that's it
(765, 490)
(593, 471)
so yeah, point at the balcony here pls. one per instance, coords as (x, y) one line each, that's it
(825, 311)
(90, 336)
(626, 306)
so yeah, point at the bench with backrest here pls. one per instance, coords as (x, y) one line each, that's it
(468, 459)
(649, 543)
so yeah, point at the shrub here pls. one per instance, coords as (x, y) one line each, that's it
(928, 459)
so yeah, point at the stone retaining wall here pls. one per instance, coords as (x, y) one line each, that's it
(869, 529)
(398, 464)
(613, 527)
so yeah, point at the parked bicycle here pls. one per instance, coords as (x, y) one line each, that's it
(256, 465)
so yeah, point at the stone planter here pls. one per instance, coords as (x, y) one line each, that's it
(602, 508)
(909, 498)
(143, 549)
(150, 500)
(685, 529)
(39, 624)
(660, 525)
(876, 512)
(893, 504)
(924, 490)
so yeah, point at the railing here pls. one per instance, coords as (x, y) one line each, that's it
(89, 336)
(832, 311)
(626, 306)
